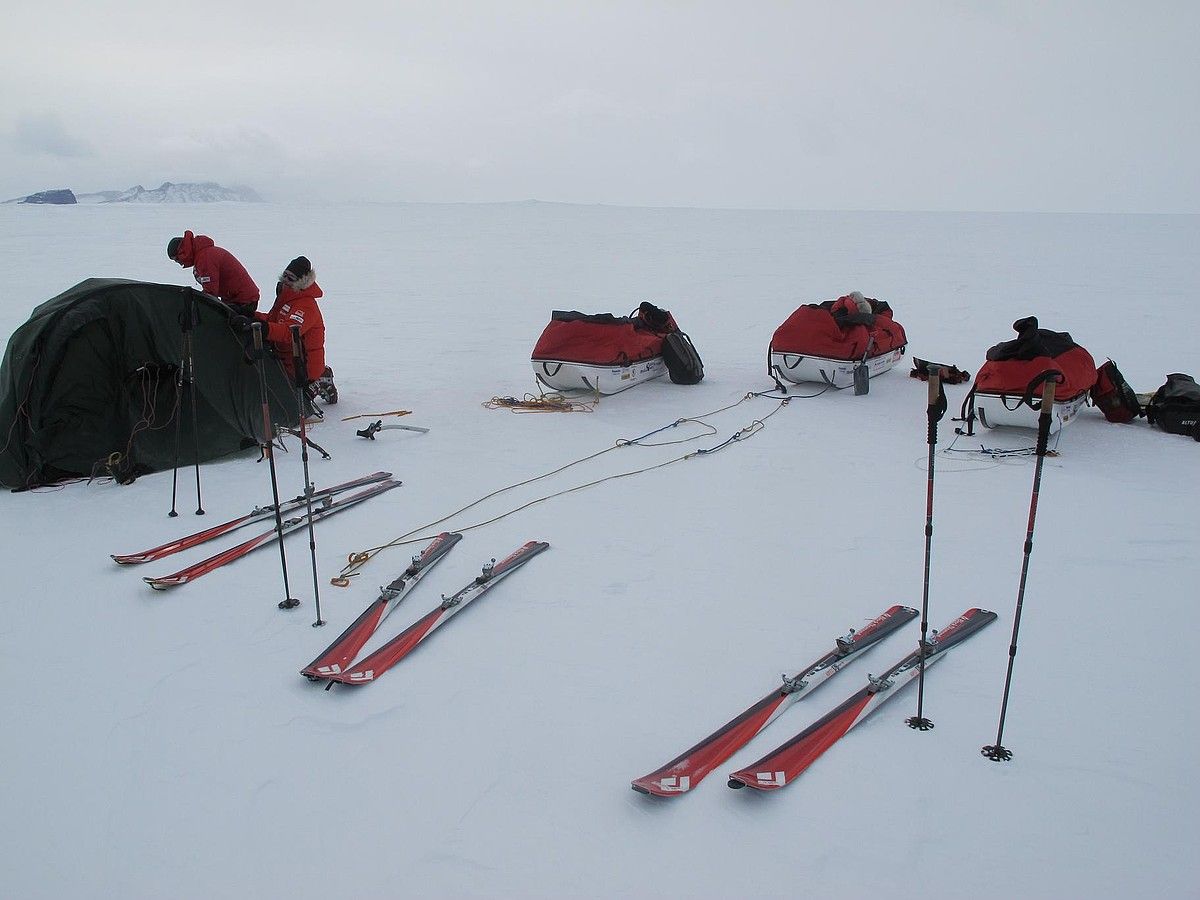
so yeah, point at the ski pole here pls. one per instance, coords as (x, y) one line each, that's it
(178, 416)
(937, 409)
(268, 449)
(300, 368)
(190, 357)
(997, 752)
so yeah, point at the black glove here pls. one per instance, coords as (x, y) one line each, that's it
(240, 323)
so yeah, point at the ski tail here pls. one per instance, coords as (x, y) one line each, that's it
(408, 640)
(341, 653)
(260, 512)
(329, 508)
(516, 559)
(688, 769)
(785, 763)
(183, 543)
(888, 621)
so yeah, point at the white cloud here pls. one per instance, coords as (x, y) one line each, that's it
(43, 134)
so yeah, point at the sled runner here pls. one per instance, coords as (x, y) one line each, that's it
(826, 342)
(607, 354)
(1005, 393)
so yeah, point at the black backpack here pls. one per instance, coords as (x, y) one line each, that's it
(1175, 407)
(678, 352)
(683, 361)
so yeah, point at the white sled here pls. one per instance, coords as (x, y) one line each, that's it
(605, 380)
(837, 373)
(1007, 411)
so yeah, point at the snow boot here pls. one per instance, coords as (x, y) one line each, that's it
(325, 387)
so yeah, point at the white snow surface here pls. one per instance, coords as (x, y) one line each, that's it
(164, 744)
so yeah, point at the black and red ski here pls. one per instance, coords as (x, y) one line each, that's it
(286, 507)
(408, 640)
(784, 764)
(334, 659)
(684, 772)
(328, 507)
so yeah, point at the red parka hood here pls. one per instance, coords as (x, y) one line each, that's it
(190, 246)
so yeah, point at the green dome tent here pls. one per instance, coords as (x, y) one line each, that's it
(88, 385)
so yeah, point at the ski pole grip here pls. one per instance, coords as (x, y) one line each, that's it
(1048, 399)
(301, 367)
(257, 330)
(1044, 419)
(937, 402)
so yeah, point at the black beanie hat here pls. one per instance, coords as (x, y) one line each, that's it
(173, 246)
(299, 267)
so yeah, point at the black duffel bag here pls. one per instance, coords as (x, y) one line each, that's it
(1175, 407)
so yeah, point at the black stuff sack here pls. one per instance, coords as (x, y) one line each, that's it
(1175, 407)
(683, 362)
(1113, 396)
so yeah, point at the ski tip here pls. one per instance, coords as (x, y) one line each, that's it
(641, 790)
(158, 584)
(736, 784)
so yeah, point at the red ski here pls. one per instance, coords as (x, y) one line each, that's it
(337, 656)
(286, 507)
(782, 765)
(327, 508)
(408, 640)
(686, 771)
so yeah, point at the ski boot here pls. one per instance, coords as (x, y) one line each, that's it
(325, 387)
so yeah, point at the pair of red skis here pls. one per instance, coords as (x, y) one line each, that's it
(782, 765)
(336, 662)
(325, 503)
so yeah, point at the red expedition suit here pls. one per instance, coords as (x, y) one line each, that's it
(296, 304)
(218, 271)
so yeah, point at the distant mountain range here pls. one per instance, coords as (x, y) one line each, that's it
(167, 192)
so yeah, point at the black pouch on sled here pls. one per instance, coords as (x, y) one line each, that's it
(1175, 407)
(1113, 396)
(683, 362)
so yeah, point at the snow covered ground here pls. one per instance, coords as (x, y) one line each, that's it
(163, 745)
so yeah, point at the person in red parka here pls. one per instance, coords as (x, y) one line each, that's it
(216, 270)
(296, 297)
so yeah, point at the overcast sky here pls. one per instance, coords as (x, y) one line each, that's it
(1026, 105)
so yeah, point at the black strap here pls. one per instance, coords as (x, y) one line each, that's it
(1036, 382)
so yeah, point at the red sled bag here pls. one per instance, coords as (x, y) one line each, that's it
(1113, 396)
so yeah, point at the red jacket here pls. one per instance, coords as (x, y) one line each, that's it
(297, 307)
(216, 270)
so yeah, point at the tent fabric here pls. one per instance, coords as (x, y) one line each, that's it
(598, 340)
(88, 385)
(812, 330)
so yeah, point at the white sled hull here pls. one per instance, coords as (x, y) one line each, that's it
(605, 380)
(1007, 411)
(838, 373)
